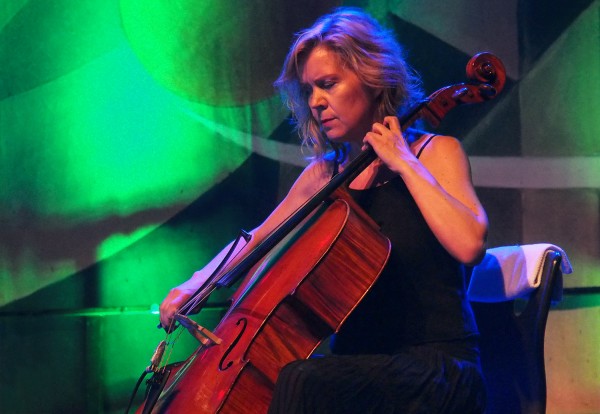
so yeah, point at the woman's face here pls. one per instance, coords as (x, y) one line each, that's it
(339, 102)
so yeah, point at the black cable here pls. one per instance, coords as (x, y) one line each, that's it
(135, 390)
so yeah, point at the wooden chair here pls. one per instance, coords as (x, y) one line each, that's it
(512, 332)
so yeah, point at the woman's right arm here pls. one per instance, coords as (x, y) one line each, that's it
(308, 183)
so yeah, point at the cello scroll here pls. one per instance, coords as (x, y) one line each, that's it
(487, 77)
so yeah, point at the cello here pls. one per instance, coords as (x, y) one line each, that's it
(288, 301)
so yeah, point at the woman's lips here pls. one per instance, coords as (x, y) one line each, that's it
(326, 121)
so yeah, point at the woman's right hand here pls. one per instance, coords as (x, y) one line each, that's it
(177, 297)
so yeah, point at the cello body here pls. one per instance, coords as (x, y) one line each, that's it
(281, 312)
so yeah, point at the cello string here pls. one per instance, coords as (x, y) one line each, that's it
(171, 346)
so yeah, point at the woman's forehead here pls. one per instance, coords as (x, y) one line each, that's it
(321, 61)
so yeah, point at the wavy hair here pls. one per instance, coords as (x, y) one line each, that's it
(363, 46)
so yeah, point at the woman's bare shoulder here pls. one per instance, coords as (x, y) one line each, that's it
(426, 139)
(314, 176)
(437, 145)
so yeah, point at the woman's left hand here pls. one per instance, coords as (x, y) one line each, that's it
(389, 143)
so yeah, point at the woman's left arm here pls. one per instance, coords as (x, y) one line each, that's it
(441, 185)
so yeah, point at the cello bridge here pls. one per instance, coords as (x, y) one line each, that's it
(203, 335)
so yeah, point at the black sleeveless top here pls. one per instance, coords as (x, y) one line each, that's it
(420, 297)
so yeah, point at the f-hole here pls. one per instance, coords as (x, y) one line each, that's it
(244, 323)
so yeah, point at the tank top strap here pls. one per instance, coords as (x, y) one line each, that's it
(425, 144)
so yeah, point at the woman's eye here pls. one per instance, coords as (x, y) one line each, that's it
(306, 91)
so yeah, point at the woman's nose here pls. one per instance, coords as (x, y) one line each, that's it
(316, 100)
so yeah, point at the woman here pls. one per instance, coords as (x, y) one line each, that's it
(411, 345)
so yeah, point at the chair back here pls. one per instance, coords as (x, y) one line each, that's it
(512, 343)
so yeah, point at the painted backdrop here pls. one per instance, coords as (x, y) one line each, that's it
(138, 137)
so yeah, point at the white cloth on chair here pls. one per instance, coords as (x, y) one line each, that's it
(509, 272)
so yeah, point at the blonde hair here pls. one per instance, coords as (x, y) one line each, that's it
(364, 47)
